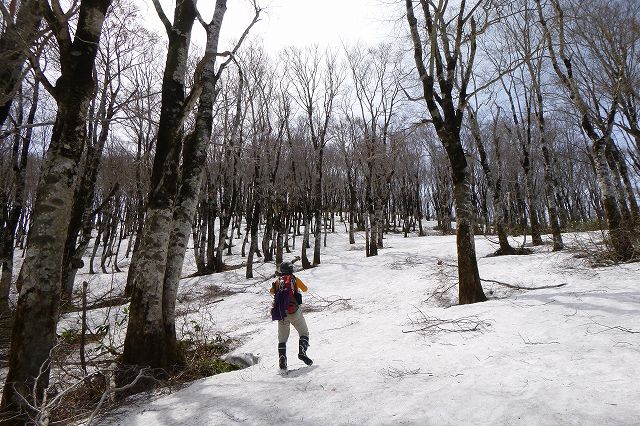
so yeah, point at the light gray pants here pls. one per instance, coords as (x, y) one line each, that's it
(298, 322)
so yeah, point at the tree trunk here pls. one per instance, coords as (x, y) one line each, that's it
(140, 219)
(305, 242)
(554, 209)
(317, 207)
(211, 234)
(192, 170)
(379, 220)
(146, 340)
(418, 214)
(469, 289)
(85, 192)
(222, 238)
(536, 235)
(182, 223)
(627, 195)
(253, 248)
(352, 212)
(34, 331)
(494, 182)
(96, 243)
(619, 236)
(616, 178)
(199, 244)
(549, 183)
(469, 286)
(268, 235)
(7, 238)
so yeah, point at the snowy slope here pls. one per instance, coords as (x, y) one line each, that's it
(564, 355)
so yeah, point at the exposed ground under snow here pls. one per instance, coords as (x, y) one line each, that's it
(566, 355)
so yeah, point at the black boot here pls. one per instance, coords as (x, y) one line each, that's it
(304, 344)
(282, 355)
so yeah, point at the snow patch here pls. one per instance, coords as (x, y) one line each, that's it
(243, 360)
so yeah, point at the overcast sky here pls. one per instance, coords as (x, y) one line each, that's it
(299, 22)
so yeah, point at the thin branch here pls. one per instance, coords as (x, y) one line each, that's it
(198, 15)
(25, 126)
(523, 287)
(34, 61)
(256, 18)
(165, 21)
(425, 324)
(106, 199)
(142, 374)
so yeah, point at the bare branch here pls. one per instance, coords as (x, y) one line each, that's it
(517, 287)
(142, 374)
(165, 21)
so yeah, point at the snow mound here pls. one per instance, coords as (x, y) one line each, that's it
(243, 360)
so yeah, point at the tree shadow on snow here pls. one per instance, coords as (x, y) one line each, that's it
(196, 404)
(300, 371)
(630, 301)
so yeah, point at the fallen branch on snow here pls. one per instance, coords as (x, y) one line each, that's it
(425, 324)
(528, 341)
(518, 287)
(315, 303)
(400, 373)
(614, 327)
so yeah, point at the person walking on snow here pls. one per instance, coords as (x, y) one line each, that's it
(287, 311)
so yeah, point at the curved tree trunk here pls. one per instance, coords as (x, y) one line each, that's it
(624, 188)
(621, 241)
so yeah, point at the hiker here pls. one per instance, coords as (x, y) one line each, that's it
(286, 310)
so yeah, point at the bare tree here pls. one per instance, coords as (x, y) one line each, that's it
(375, 77)
(316, 79)
(597, 121)
(191, 171)
(19, 157)
(145, 343)
(34, 332)
(122, 43)
(151, 338)
(529, 43)
(20, 32)
(493, 175)
(451, 51)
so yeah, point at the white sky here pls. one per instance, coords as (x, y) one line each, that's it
(299, 22)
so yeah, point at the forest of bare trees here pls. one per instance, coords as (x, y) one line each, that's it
(490, 117)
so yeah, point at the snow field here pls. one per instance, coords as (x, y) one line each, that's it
(564, 355)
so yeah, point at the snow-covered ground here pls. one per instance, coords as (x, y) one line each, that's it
(565, 355)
